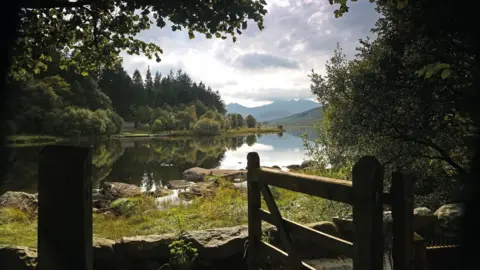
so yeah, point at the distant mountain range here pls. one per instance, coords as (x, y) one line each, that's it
(275, 110)
(306, 118)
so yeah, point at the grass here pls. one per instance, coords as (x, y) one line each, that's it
(227, 207)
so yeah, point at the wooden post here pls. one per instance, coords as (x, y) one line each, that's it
(367, 214)
(65, 208)
(402, 214)
(254, 204)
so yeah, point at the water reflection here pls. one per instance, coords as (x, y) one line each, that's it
(152, 163)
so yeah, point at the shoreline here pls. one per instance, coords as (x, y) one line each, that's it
(41, 140)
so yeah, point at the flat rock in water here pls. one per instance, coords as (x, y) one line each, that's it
(115, 190)
(19, 200)
(198, 174)
(179, 184)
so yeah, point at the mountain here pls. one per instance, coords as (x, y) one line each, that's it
(275, 110)
(306, 118)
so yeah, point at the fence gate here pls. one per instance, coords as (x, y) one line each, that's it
(364, 193)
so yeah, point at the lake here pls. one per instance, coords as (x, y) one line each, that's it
(153, 162)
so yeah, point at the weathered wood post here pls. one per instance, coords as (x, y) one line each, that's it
(367, 185)
(254, 204)
(65, 208)
(402, 214)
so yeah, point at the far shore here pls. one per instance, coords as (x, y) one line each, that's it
(38, 140)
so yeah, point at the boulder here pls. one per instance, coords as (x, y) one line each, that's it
(327, 227)
(306, 163)
(103, 254)
(425, 222)
(115, 190)
(198, 174)
(449, 216)
(18, 258)
(179, 184)
(294, 167)
(159, 192)
(19, 200)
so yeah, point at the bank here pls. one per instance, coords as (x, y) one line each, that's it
(26, 140)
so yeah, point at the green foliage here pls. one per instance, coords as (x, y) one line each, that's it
(250, 121)
(92, 37)
(206, 126)
(400, 102)
(182, 254)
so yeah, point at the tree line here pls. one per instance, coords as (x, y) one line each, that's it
(64, 103)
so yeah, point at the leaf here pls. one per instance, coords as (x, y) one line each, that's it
(217, 35)
(234, 39)
(191, 35)
(428, 73)
(36, 70)
(446, 73)
(84, 73)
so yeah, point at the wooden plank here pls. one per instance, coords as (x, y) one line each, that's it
(386, 198)
(276, 217)
(65, 232)
(279, 255)
(254, 204)
(328, 188)
(368, 214)
(402, 214)
(335, 244)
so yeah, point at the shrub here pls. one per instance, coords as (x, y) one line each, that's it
(182, 255)
(280, 127)
(207, 126)
(157, 125)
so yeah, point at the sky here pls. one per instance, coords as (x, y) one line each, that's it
(263, 66)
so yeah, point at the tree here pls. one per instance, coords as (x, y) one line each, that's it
(251, 121)
(90, 35)
(207, 126)
(402, 99)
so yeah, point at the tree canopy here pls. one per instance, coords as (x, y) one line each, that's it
(90, 35)
(405, 98)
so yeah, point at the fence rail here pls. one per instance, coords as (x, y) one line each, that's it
(364, 193)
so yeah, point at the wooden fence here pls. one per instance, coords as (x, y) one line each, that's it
(364, 193)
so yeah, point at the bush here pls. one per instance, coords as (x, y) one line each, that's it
(280, 127)
(157, 125)
(207, 126)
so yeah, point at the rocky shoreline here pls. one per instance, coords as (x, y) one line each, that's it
(217, 248)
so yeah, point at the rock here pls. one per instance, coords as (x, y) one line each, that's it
(19, 200)
(294, 167)
(198, 174)
(179, 184)
(306, 163)
(18, 258)
(449, 218)
(160, 192)
(115, 190)
(327, 227)
(103, 254)
(425, 222)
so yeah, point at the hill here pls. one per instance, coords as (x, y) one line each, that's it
(275, 110)
(306, 118)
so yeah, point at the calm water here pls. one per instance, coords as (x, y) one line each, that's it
(154, 162)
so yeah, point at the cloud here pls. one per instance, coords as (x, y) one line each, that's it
(262, 66)
(262, 61)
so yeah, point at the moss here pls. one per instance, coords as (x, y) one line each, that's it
(134, 205)
(9, 215)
